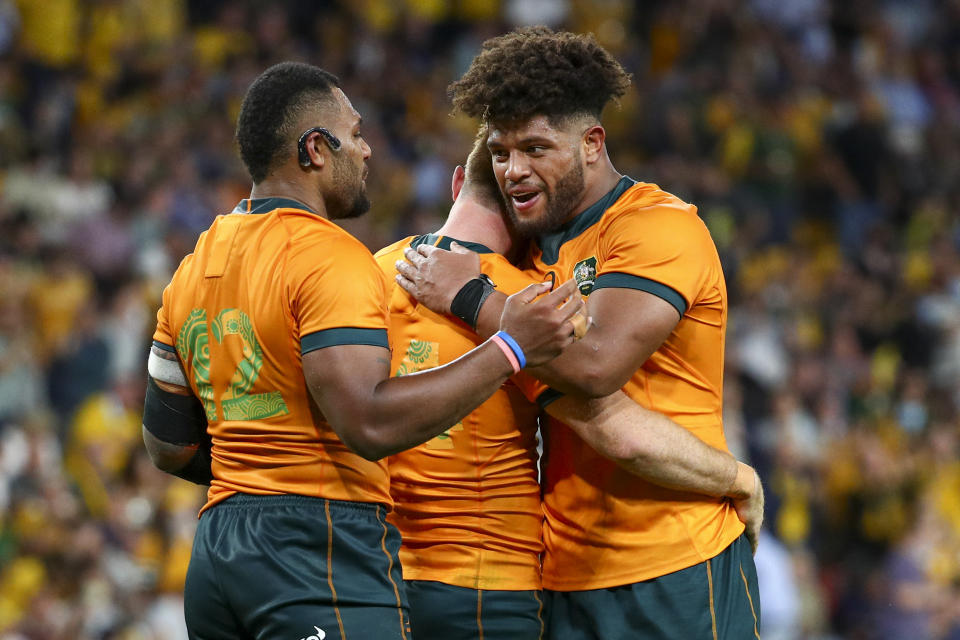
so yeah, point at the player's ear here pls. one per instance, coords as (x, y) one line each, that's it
(592, 141)
(309, 153)
(456, 183)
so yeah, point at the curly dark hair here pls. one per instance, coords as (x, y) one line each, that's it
(270, 109)
(536, 71)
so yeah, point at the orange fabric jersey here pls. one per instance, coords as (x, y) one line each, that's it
(467, 503)
(604, 527)
(264, 285)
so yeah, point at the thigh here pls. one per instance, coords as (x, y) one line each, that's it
(735, 592)
(206, 610)
(439, 610)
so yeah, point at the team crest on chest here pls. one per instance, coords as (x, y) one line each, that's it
(585, 273)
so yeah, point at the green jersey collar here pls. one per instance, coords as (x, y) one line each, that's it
(551, 242)
(266, 205)
(444, 243)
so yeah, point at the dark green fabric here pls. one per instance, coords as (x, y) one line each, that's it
(165, 347)
(673, 606)
(548, 396)
(628, 281)
(260, 570)
(551, 241)
(343, 335)
(442, 611)
(443, 242)
(266, 205)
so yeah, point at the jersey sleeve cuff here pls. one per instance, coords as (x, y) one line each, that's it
(164, 346)
(342, 336)
(628, 281)
(548, 396)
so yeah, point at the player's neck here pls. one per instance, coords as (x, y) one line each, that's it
(277, 187)
(472, 222)
(600, 180)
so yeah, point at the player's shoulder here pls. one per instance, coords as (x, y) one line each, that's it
(393, 252)
(303, 225)
(645, 206)
(650, 199)
(314, 238)
(496, 261)
(508, 277)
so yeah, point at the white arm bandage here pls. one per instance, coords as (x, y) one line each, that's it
(168, 371)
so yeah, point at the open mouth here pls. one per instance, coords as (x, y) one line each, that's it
(524, 200)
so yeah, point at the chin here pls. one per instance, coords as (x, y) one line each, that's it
(530, 223)
(359, 206)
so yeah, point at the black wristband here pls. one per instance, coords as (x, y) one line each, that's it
(468, 301)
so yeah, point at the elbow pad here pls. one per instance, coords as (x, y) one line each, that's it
(173, 418)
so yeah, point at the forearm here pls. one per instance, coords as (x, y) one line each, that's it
(199, 469)
(191, 462)
(568, 372)
(399, 413)
(414, 408)
(651, 446)
(488, 320)
(377, 416)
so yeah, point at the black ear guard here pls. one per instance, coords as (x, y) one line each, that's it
(304, 158)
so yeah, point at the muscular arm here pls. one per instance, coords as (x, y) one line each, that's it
(627, 327)
(376, 415)
(651, 446)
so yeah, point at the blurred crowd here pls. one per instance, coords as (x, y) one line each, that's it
(820, 139)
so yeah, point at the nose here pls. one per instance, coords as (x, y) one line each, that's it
(517, 168)
(365, 148)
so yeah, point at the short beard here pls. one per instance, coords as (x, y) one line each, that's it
(349, 200)
(359, 206)
(560, 204)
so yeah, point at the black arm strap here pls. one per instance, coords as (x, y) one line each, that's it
(173, 418)
(179, 420)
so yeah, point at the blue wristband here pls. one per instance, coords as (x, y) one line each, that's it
(517, 351)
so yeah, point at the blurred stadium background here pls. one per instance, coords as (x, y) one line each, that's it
(820, 139)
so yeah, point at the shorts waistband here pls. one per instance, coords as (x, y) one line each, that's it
(246, 500)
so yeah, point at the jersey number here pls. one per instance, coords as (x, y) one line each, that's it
(193, 345)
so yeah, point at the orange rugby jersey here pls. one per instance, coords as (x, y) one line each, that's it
(265, 284)
(603, 526)
(467, 503)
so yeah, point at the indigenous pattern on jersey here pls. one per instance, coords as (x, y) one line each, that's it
(604, 527)
(264, 285)
(467, 502)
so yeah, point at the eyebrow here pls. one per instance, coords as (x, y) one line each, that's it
(524, 141)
